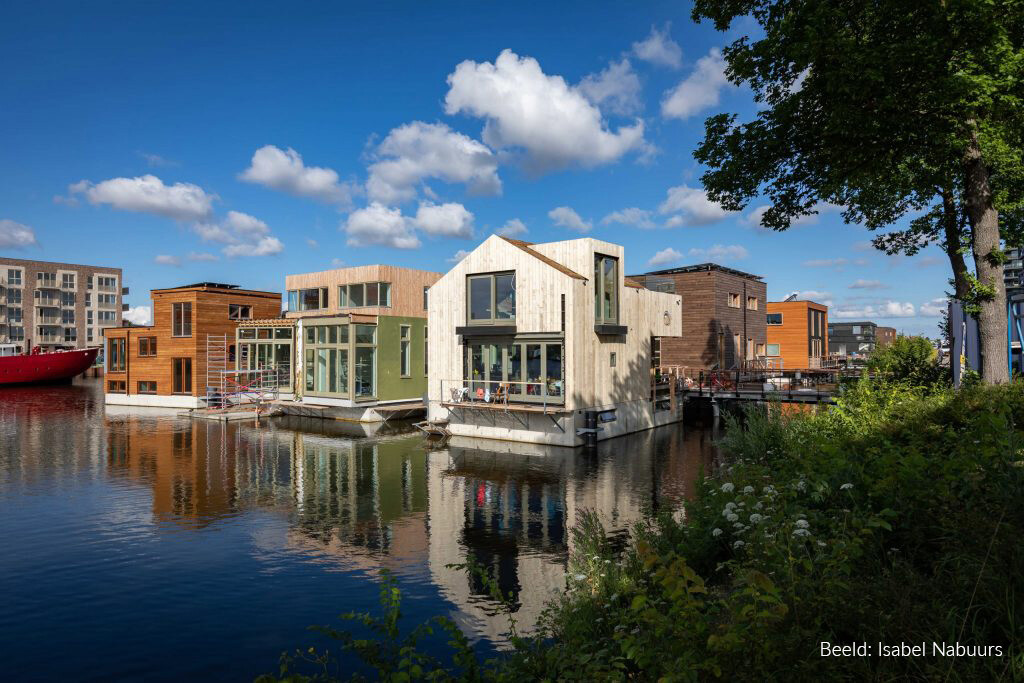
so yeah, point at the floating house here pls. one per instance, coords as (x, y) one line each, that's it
(546, 343)
(797, 335)
(723, 316)
(172, 362)
(360, 338)
(855, 340)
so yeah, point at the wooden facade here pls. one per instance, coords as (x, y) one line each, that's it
(799, 340)
(583, 362)
(407, 290)
(723, 316)
(134, 375)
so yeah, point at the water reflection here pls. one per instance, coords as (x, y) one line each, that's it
(313, 496)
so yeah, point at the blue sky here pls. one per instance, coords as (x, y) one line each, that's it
(239, 142)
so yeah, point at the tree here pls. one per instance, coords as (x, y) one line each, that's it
(895, 110)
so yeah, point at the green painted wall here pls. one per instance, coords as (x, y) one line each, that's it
(391, 386)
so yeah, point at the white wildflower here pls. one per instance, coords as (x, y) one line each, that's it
(738, 544)
(821, 544)
(755, 518)
(801, 532)
(801, 486)
(732, 517)
(730, 505)
(768, 490)
(727, 487)
(846, 486)
(802, 524)
(748, 489)
(759, 505)
(716, 532)
(579, 577)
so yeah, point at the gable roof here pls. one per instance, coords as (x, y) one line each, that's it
(525, 246)
(633, 283)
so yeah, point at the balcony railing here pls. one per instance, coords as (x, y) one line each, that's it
(47, 319)
(46, 284)
(48, 338)
(541, 392)
(107, 306)
(47, 302)
(104, 288)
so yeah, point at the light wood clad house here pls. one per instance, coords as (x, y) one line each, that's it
(164, 364)
(361, 337)
(797, 334)
(527, 338)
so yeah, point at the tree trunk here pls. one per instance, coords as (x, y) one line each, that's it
(951, 225)
(985, 244)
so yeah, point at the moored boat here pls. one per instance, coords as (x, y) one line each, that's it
(45, 367)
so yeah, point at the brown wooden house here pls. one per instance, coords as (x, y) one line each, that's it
(797, 334)
(165, 364)
(723, 314)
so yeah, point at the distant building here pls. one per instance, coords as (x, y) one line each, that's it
(167, 363)
(884, 336)
(854, 340)
(723, 314)
(1013, 270)
(797, 334)
(57, 304)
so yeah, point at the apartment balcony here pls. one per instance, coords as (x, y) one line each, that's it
(48, 338)
(124, 307)
(47, 284)
(47, 303)
(107, 307)
(47, 319)
(111, 290)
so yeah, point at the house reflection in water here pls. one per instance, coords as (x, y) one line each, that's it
(386, 502)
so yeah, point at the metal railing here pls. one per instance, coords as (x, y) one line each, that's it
(541, 392)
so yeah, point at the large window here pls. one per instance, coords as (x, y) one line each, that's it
(239, 312)
(366, 361)
(527, 369)
(147, 346)
(341, 359)
(67, 280)
(774, 318)
(404, 352)
(14, 276)
(772, 350)
(266, 348)
(491, 298)
(116, 355)
(146, 387)
(606, 290)
(364, 294)
(181, 320)
(182, 369)
(426, 353)
(307, 299)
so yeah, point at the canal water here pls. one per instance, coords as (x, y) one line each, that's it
(136, 544)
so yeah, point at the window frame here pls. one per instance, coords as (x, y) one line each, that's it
(179, 375)
(239, 311)
(599, 290)
(768, 319)
(116, 348)
(493, 303)
(181, 319)
(148, 391)
(149, 347)
(117, 386)
(768, 350)
(733, 297)
(405, 351)
(755, 302)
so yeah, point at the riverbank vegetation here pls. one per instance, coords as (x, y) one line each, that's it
(894, 517)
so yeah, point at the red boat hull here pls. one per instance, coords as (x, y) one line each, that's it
(42, 368)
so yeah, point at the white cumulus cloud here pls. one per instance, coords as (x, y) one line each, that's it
(825, 262)
(719, 252)
(149, 194)
(615, 89)
(512, 228)
(445, 220)
(458, 256)
(935, 307)
(201, 256)
(14, 235)
(639, 218)
(139, 315)
(659, 48)
(167, 260)
(417, 151)
(698, 91)
(377, 224)
(691, 206)
(567, 217)
(526, 109)
(665, 257)
(284, 170)
(868, 284)
(242, 235)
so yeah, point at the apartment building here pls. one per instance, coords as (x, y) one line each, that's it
(723, 315)
(854, 340)
(58, 304)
